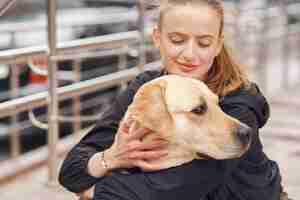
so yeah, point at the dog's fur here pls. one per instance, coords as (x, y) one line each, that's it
(186, 113)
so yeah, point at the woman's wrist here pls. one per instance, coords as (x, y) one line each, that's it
(93, 166)
(109, 159)
(102, 163)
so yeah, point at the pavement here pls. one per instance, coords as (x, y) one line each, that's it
(33, 186)
(281, 138)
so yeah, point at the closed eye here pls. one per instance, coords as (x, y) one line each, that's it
(200, 110)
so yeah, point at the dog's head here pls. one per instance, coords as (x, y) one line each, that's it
(185, 112)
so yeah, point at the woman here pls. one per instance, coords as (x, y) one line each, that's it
(190, 38)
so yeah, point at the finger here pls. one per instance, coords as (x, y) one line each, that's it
(147, 155)
(158, 138)
(129, 120)
(126, 124)
(133, 146)
(139, 133)
(124, 127)
(134, 126)
(137, 145)
(148, 167)
(158, 144)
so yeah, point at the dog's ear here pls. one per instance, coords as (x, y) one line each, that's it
(149, 107)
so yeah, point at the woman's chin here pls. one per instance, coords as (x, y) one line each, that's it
(190, 74)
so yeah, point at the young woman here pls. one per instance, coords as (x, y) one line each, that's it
(190, 38)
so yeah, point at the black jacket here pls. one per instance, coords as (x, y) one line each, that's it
(251, 177)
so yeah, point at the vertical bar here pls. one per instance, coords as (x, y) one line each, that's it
(76, 100)
(237, 30)
(141, 25)
(14, 138)
(297, 51)
(53, 106)
(285, 47)
(123, 64)
(262, 71)
(15, 148)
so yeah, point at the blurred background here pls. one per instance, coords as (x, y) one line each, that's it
(100, 46)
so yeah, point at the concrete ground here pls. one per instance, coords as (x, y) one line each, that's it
(33, 186)
(281, 138)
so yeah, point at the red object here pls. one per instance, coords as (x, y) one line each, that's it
(38, 79)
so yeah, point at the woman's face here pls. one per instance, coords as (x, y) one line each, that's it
(189, 40)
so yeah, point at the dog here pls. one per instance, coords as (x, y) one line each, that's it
(186, 113)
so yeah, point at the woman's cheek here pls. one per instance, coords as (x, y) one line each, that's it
(173, 51)
(208, 57)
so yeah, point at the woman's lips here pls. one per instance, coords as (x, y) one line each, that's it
(188, 68)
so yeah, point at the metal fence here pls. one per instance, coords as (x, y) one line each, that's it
(265, 34)
(54, 53)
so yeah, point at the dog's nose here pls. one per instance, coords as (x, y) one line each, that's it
(244, 134)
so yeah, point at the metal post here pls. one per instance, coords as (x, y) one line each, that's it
(261, 72)
(76, 100)
(141, 25)
(15, 148)
(237, 29)
(53, 106)
(14, 137)
(123, 64)
(285, 45)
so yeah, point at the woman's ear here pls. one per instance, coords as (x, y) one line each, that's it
(156, 36)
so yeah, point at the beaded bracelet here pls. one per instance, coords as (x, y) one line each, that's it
(103, 161)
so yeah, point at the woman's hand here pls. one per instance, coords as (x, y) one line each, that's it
(87, 194)
(129, 150)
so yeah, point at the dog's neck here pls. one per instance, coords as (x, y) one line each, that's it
(178, 152)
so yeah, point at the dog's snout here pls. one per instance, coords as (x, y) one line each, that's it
(244, 134)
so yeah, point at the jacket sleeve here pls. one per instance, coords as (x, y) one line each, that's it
(73, 173)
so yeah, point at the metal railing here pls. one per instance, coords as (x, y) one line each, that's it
(5, 5)
(117, 41)
(114, 40)
(52, 97)
(105, 18)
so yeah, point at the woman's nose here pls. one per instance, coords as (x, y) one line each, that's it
(189, 52)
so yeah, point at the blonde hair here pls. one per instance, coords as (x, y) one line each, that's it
(225, 75)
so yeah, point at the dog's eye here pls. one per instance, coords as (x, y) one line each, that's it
(201, 109)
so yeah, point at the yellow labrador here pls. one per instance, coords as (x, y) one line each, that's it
(186, 113)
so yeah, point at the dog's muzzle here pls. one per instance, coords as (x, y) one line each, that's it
(244, 134)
